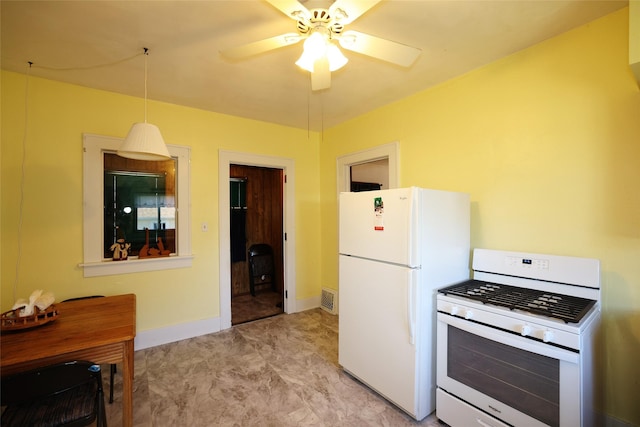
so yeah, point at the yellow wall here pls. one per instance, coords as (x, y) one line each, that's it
(634, 37)
(51, 243)
(547, 143)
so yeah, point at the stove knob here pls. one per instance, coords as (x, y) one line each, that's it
(468, 315)
(454, 310)
(547, 336)
(525, 330)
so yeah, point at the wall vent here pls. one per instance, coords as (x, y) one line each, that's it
(329, 301)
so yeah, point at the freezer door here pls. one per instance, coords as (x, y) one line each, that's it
(377, 330)
(381, 225)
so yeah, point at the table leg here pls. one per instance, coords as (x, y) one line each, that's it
(127, 385)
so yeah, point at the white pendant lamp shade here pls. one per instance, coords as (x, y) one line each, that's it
(144, 142)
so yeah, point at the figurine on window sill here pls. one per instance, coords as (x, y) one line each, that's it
(150, 252)
(120, 248)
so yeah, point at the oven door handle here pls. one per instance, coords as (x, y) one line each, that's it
(509, 339)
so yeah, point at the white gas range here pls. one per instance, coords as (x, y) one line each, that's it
(515, 344)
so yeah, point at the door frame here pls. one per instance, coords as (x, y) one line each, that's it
(225, 159)
(386, 151)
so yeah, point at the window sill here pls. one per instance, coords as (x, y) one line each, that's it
(135, 265)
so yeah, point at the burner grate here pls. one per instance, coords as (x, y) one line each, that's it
(564, 307)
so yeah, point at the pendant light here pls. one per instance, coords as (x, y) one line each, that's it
(144, 140)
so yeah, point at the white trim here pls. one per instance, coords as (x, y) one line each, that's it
(94, 264)
(387, 151)
(135, 265)
(308, 303)
(173, 333)
(225, 159)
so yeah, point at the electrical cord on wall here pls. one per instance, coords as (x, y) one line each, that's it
(89, 67)
(22, 168)
(31, 65)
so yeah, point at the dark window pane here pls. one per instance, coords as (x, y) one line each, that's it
(136, 201)
(238, 193)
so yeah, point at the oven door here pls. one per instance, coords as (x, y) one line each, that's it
(515, 379)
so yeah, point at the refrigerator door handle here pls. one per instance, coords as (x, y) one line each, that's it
(411, 307)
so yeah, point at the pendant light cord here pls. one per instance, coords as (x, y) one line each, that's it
(146, 55)
(88, 67)
(22, 174)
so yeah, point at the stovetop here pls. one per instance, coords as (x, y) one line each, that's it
(568, 308)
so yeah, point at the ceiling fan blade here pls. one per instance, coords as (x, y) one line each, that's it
(261, 46)
(347, 11)
(321, 76)
(386, 50)
(292, 8)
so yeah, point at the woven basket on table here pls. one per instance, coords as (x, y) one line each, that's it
(12, 321)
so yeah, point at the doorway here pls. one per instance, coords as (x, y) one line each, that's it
(287, 165)
(377, 165)
(369, 176)
(256, 222)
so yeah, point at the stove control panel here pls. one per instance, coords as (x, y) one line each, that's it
(528, 263)
(522, 324)
(542, 334)
(583, 272)
(465, 313)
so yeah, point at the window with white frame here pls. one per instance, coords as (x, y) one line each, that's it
(143, 203)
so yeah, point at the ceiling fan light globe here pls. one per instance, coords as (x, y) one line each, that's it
(336, 58)
(315, 45)
(306, 61)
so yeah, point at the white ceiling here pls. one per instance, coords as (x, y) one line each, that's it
(99, 44)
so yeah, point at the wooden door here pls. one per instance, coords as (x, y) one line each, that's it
(263, 221)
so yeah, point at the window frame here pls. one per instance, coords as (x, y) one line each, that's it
(94, 147)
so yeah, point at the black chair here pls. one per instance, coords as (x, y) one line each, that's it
(67, 394)
(261, 267)
(113, 365)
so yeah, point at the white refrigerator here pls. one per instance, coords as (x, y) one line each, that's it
(397, 247)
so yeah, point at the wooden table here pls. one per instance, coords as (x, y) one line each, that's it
(100, 330)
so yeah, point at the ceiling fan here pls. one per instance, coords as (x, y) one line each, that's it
(321, 28)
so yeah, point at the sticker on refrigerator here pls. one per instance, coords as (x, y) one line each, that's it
(378, 207)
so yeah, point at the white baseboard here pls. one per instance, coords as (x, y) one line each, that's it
(173, 333)
(610, 421)
(183, 331)
(308, 304)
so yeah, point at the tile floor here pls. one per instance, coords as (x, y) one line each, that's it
(278, 371)
(245, 308)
